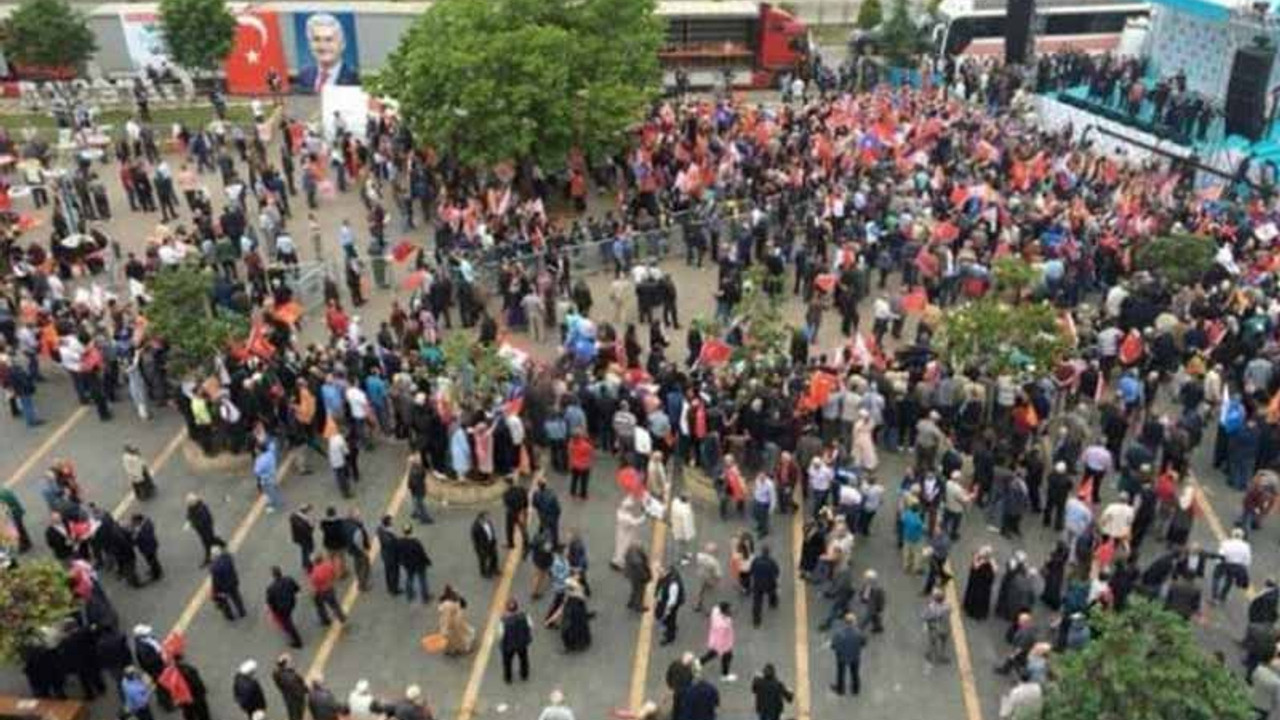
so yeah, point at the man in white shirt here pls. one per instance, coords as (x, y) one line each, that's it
(338, 462)
(1117, 518)
(361, 415)
(1233, 568)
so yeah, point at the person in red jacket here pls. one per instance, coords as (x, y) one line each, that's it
(323, 577)
(581, 453)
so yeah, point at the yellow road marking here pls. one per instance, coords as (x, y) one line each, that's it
(490, 637)
(644, 640)
(46, 446)
(201, 595)
(803, 697)
(964, 662)
(156, 466)
(1215, 523)
(353, 589)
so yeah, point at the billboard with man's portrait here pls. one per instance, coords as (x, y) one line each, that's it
(327, 50)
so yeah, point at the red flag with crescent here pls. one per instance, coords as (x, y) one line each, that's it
(257, 49)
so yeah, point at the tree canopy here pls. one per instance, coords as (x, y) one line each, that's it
(48, 33)
(900, 38)
(180, 312)
(499, 80)
(1180, 259)
(1144, 664)
(199, 33)
(870, 14)
(34, 596)
(1002, 337)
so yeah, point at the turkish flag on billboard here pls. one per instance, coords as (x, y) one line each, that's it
(257, 49)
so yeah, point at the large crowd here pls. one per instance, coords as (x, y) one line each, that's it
(860, 198)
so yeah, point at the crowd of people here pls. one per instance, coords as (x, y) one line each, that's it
(892, 197)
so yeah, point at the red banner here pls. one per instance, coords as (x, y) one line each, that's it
(258, 48)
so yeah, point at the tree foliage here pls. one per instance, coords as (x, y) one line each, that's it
(1144, 664)
(1179, 259)
(480, 374)
(870, 14)
(48, 33)
(181, 313)
(498, 80)
(1001, 337)
(900, 39)
(33, 597)
(1015, 275)
(766, 333)
(199, 33)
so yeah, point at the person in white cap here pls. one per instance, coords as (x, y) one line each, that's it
(360, 702)
(413, 707)
(247, 690)
(556, 709)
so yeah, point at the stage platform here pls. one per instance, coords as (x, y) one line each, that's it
(1215, 141)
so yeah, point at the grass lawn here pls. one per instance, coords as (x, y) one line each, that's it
(162, 118)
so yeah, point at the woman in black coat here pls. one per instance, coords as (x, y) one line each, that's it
(1055, 570)
(977, 590)
(771, 694)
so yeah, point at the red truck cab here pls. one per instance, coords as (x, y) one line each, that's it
(753, 41)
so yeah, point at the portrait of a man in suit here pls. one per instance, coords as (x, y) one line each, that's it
(326, 43)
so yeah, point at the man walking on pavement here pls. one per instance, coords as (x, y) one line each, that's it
(225, 583)
(414, 561)
(764, 583)
(291, 686)
(282, 598)
(669, 596)
(323, 577)
(387, 541)
(484, 539)
(302, 531)
(847, 644)
(143, 534)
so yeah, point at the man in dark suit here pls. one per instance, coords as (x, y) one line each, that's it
(484, 538)
(668, 597)
(700, 701)
(143, 532)
(225, 582)
(201, 521)
(414, 561)
(327, 42)
(1263, 607)
(764, 583)
(873, 600)
(847, 644)
(387, 540)
(517, 635)
(515, 500)
(302, 531)
(282, 598)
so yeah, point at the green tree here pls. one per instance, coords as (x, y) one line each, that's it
(1014, 275)
(480, 374)
(900, 40)
(766, 333)
(870, 14)
(34, 596)
(199, 33)
(498, 80)
(1180, 259)
(48, 33)
(1001, 337)
(1144, 664)
(182, 314)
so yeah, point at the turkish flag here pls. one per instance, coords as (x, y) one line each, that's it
(257, 49)
(715, 352)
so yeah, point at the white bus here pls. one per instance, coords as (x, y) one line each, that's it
(977, 27)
